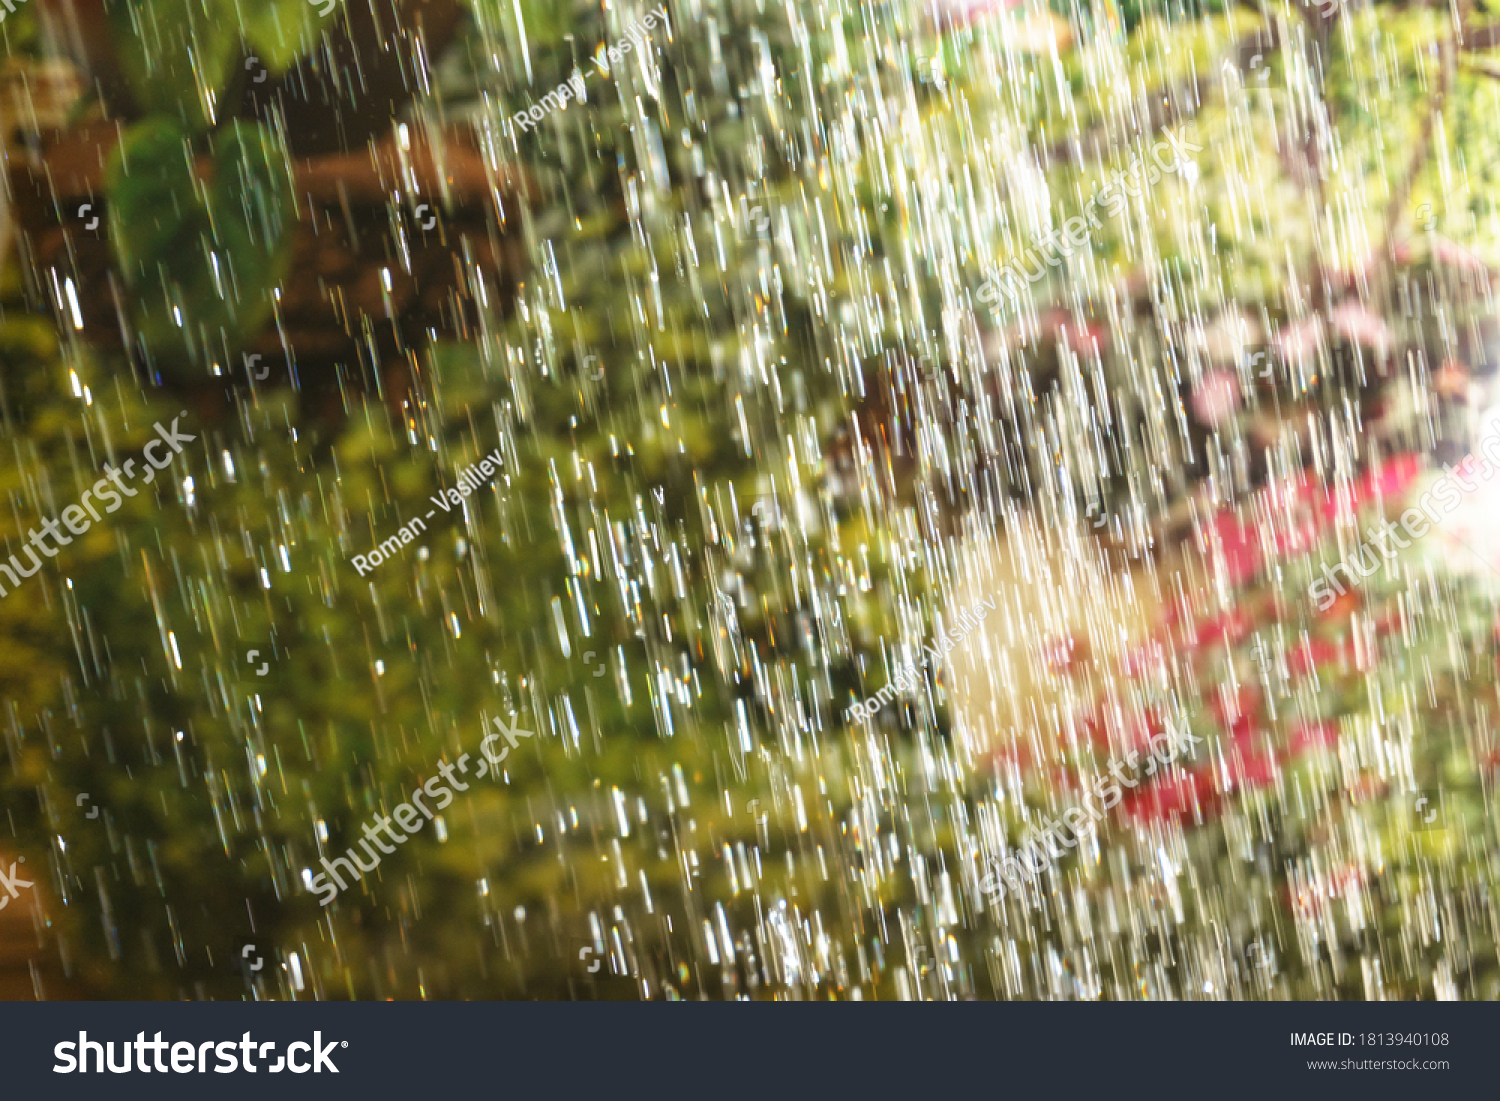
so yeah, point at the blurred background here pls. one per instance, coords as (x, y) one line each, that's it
(765, 428)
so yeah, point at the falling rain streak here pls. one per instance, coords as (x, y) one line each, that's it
(751, 431)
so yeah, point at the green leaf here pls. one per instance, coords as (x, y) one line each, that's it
(201, 266)
(254, 206)
(545, 23)
(281, 32)
(177, 54)
(153, 196)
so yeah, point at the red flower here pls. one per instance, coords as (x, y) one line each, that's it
(1228, 628)
(1063, 656)
(1181, 795)
(1152, 655)
(1343, 606)
(1062, 778)
(1238, 543)
(1234, 710)
(1252, 768)
(1299, 537)
(1390, 480)
(1311, 893)
(1016, 756)
(1367, 787)
(1140, 729)
(1316, 652)
(1091, 727)
(1306, 736)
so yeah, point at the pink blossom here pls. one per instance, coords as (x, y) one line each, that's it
(963, 13)
(1454, 255)
(1299, 340)
(1307, 736)
(1440, 250)
(1216, 398)
(1353, 321)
